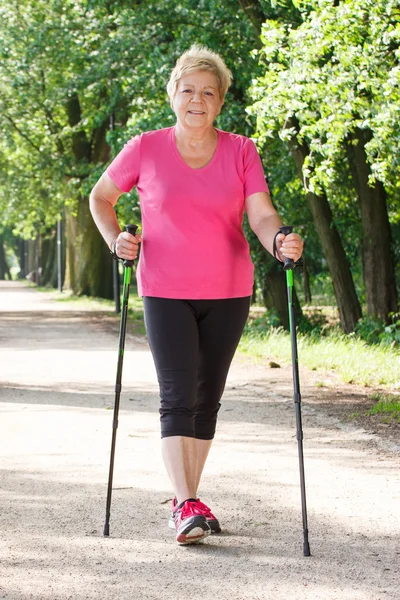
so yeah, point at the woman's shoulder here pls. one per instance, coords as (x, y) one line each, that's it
(235, 140)
(152, 135)
(156, 134)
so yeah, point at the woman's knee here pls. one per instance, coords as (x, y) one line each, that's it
(177, 422)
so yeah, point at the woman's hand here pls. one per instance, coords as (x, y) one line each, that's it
(265, 222)
(126, 245)
(289, 246)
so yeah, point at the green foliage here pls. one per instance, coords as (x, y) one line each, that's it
(387, 404)
(68, 67)
(321, 288)
(335, 70)
(257, 326)
(352, 359)
(376, 331)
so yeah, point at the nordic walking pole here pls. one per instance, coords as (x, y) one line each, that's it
(288, 266)
(122, 331)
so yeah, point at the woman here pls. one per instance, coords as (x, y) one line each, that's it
(194, 273)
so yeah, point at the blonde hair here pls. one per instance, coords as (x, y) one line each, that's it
(200, 58)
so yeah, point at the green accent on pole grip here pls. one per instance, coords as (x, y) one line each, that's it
(127, 276)
(289, 282)
(289, 278)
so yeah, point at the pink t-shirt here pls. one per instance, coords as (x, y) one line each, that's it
(193, 243)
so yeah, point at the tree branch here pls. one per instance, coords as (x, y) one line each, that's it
(254, 13)
(53, 125)
(22, 134)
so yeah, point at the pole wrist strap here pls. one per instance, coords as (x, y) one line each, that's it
(274, 249)
(112, 250)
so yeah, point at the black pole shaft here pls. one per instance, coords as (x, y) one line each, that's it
(122, 334)
(297, 401)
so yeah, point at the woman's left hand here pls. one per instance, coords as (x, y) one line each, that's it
(289, 246)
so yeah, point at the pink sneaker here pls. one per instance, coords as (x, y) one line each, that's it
(202, 509)
(190, 524)
(210, 518)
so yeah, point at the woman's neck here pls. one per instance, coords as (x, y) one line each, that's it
(195, 138)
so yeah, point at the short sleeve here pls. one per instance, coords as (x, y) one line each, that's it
(254, 178)
(125, 168)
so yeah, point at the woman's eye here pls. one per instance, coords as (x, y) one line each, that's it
(187, 91)
(209, 94)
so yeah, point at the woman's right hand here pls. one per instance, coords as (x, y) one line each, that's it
(126, 245)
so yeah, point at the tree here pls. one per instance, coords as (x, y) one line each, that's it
(319, 89)
(69, 69)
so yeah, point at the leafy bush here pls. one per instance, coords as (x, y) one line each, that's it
(259, 326)
(313, 322)
(369, 329)
(391, 334)
(376, 331)
(388, 405)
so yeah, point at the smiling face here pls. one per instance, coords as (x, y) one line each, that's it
(197, 100)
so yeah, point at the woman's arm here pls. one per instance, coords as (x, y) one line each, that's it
(265, 222)
(102, 200)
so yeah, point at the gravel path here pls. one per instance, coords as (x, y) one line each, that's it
(57, 373)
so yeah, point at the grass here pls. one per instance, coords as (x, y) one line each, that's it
(84, 302)
(387, 405)
(135, 305)
(352, 359)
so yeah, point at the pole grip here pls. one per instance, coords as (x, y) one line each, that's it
(132, 229)
(288, 262)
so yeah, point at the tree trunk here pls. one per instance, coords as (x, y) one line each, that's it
(378, 264)
(4, 269)
(306, 283)
(23, 258)
(88, 261)
(49, 260)
(31, 251)
(71, 232)
(338, 265)
(89, 264)
(95, 261)
(275, 294)
(254, 13)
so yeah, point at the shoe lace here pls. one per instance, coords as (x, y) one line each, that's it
(204, 510)
(189, 509)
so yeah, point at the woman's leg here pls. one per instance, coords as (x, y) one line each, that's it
(220, 331)
(203, 448)
(193, 343)
(180, 457)
(184, 460)
(173, 337)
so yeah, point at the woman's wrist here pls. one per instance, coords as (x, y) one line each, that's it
(113, 247)
(277, 253)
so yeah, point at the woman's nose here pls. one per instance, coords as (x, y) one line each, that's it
(196, 96)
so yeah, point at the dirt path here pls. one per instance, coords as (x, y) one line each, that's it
(57, 370)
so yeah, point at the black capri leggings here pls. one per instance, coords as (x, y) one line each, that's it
(193, 343)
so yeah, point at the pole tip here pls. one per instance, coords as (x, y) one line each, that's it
(306, 549)
(106, 531)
